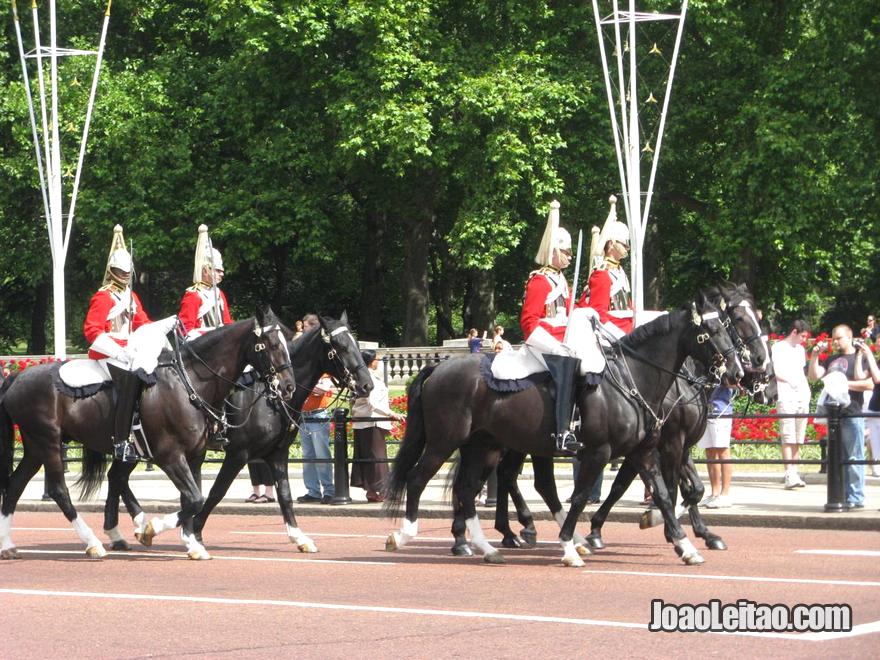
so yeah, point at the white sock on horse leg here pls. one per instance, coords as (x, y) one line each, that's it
(114, 535)
(166, 522)
(684, 544)
(477, 536)
(139, 522)
(560, 516)
(6, 532)
(85, 533)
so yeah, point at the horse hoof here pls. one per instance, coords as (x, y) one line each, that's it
(463, 550)
(10, 553)
(96, 552)
(391, 543)
(146, 537)
(494, 558)
(120, 546)
(199, 555)
(307, 547)
(573, 562)
(694, 559)
(582, 550)
(529, 538)
(511, 542)
(595, 542)
(716, 544)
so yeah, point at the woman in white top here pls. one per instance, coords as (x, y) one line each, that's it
(789, 362)
(369, 436)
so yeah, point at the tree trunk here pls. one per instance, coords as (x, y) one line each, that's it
(372, 300)
(39, 314)
(416, 237)
(479, 304)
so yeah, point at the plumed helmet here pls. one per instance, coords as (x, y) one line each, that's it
(612, 230)
(120, 259)
(207, 256)
(554, 238)
(616, 231)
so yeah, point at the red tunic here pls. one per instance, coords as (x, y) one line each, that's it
(97, 321)
(191, 304)
(600, 299)
(545, 303)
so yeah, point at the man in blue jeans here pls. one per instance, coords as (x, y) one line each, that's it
(314, 438)
(852, 425)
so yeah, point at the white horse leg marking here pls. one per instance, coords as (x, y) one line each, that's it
(6, 533)
(94, 547)
(689, 554)
(570, 556)
(166, 522)
(114, 535)
(580, 543)
(194, 549)
(478, 539)
(139, 523)
(300, 540)
(408, 531)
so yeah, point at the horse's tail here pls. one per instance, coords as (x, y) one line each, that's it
(7, 439)
(411, 447)
(94, 464)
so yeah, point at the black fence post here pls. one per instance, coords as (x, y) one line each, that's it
(836, 482)
(340, 457)
(823, 455)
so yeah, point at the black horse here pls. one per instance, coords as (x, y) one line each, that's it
(687, 407)
(174, 414)
(260, 427)
(618, 417)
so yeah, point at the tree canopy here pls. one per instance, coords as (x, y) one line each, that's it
(397, 158)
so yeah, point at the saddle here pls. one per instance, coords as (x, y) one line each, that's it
(80, 379)
(508, 385)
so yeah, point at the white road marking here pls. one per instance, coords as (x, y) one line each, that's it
(841, 553)
(861, 629)
(171, 555)
(739, 578)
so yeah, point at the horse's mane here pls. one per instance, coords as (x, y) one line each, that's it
(659, 326)
(217, 335)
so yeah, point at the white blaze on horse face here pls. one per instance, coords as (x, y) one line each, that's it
(5, 532)
(754, 319)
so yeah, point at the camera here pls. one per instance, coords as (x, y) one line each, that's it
(858, 343)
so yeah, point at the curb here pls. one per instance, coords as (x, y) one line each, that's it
(799, 518)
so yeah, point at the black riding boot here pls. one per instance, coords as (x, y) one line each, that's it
(564, 371)
(128, 391)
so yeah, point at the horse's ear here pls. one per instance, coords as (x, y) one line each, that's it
(695, 315)
(344, 317)
(258, 327)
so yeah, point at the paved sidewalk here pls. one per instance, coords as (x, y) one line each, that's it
(759, 500)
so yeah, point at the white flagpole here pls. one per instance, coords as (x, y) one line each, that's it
(656, 158)
(85, 133)
(614, 128)
(30, 102)
(634, 215)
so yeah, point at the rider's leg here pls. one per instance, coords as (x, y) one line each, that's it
(128, 390)
(564, 371)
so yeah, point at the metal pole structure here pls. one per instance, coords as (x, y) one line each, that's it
(627, 138)
(51, 184)
(836, 481)
(340, 457)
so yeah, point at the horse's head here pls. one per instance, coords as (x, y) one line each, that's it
(268, 353)
(745, 329)
(345, 355)
(714, 347)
